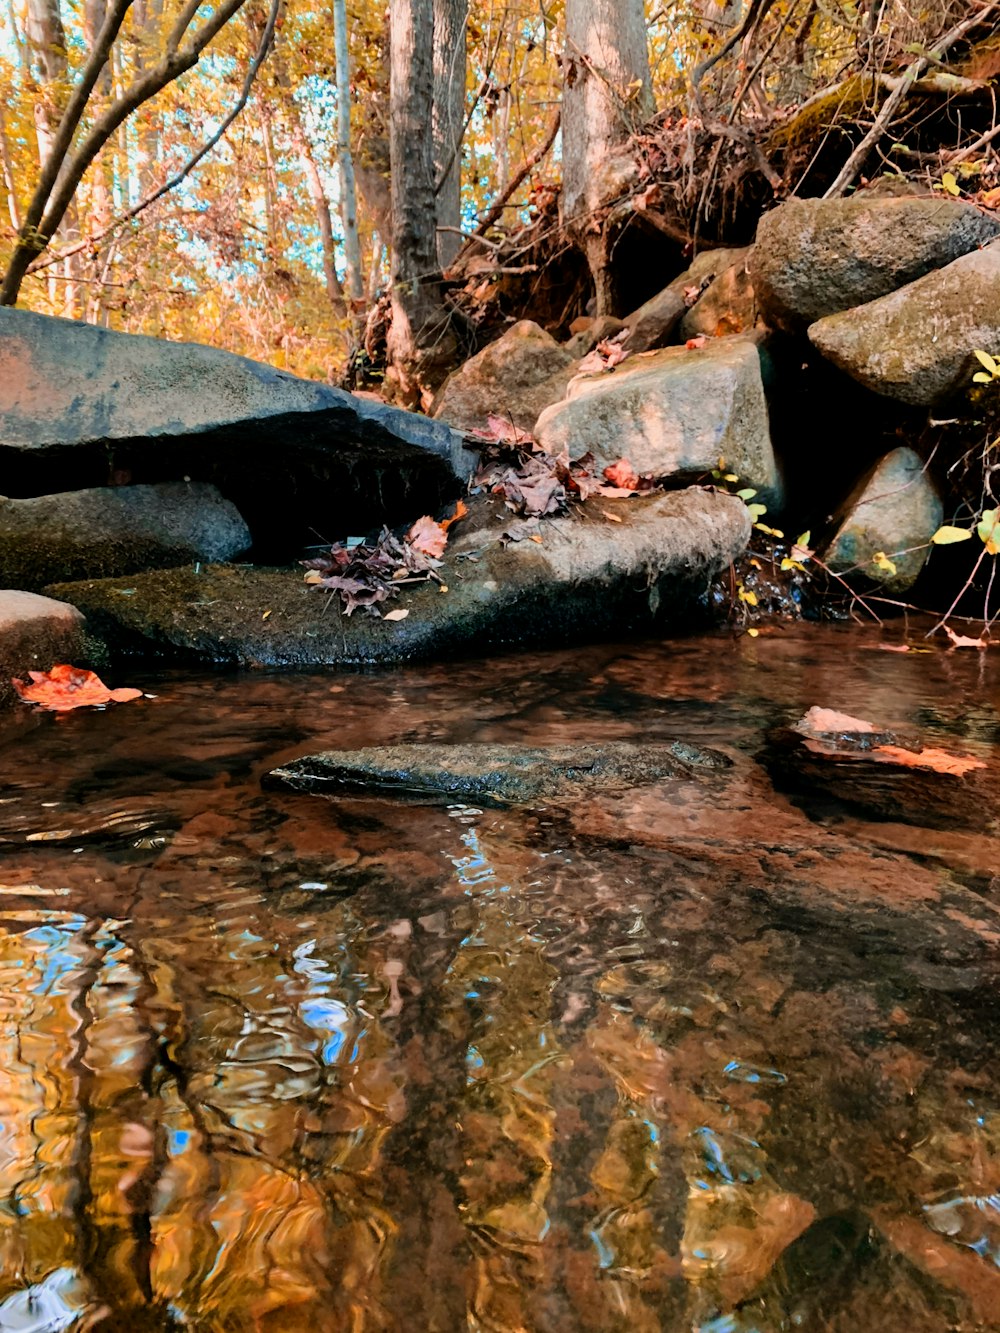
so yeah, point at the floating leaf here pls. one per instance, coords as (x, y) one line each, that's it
(940, 761)
(747, 494)
(965, 641)
(66, 687)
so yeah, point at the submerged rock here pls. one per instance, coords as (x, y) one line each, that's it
(515, 377)
(564, 580)
(79, 403)
(816, 257)
(894, 510)
(917, 345)
(673, 413)
(504, 774)
(115, 530)
(35, 634)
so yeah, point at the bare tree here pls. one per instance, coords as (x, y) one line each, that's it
(450, 18)
(419, 343)
(348, 192)
(606, 94)
(69, 157)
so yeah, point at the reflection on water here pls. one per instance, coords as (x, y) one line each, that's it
(650, 1062)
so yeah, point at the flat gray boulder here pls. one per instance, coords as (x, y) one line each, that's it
(918, 344)
(36, 634)
(894, 509)
(816, 257)
(80, 403)
(116, 530)
(515, 378)
(673, 413)
(585, 577)
(494, 774)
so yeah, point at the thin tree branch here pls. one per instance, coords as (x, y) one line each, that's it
(523, 171)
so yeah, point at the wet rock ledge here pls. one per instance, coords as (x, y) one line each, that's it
(494, 774)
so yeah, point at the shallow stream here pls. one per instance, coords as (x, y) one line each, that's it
(718, 1057)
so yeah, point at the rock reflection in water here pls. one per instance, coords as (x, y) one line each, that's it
(270, 1062)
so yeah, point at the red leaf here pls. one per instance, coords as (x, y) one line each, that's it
(66, 687)
(693, 344)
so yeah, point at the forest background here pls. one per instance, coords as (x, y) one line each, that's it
(335, 188)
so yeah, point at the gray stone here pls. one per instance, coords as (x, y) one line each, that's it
(495, 774)
(816, 257)
(917, 345)
(36, 633)
(728, 305)
(584, 580)
(79, 402)
(673, 413)
(657, 320)
(115, 530)
(894, 508)
(515, 377)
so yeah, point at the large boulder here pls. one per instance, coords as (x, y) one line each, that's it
(36, 633)
(894, 511)
(816, 257)
(673, 413)
(115, 530)
(515, 378)
(548, 582)
(917, 345)
(79, 404)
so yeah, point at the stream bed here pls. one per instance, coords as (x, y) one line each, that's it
(718, 1059)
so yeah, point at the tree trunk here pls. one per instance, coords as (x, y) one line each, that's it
(607, 94)
(47, 44)
(419, 342)
(348, 192)
(321, 207)
(450, 17)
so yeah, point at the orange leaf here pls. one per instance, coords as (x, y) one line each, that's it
(430, 538)
(622, 474)
(940, 761)
(693, 344)
(826, 721)
(66, 687)
(964, 641)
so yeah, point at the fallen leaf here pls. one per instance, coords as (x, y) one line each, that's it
(615, 518)
(622, 474)
(535, 538)
(265, 615)
(693, 344)
(827, 721)
(964, 641)
(398, 614)
(66, 687)
(430, 537)
(937, 760)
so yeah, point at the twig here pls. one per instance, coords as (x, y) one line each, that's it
(892, 103)
(172, 182)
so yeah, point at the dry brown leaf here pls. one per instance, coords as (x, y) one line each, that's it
(398, 614)
(622, 474)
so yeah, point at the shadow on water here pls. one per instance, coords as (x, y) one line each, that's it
(652, 1061)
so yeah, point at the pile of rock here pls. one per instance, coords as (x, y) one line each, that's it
(895, 292)
(142, 469)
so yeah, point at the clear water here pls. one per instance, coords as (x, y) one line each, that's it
(681, 1059)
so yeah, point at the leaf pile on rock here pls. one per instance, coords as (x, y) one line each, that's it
(535, 483)
(67, 687)
(367, 574)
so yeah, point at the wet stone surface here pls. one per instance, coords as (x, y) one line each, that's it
(678, 1056)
